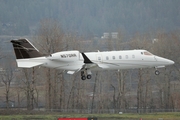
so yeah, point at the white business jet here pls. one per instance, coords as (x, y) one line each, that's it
(27, 56)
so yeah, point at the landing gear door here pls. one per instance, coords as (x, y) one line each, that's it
(99, 58)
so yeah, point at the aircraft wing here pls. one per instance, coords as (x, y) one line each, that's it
(84, 67)
(88, 65)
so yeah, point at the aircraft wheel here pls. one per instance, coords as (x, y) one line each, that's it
(88, 76)
(83, 77)
(157, 72)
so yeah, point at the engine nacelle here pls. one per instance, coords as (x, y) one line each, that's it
(65, 56)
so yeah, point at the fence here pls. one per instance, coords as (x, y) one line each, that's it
(111, 111)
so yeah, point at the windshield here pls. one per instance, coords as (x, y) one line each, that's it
(147, 53)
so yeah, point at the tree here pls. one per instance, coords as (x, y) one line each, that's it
(50, 39)
(7, 77)
(143, 91)
(166, 45)
(28, 86)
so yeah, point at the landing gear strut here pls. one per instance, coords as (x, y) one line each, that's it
(83, 77)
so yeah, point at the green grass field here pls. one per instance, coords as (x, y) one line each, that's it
(54, 116)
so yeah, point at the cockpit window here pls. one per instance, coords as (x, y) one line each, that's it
(147, 53)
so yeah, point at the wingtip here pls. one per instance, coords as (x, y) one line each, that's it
(86, 59)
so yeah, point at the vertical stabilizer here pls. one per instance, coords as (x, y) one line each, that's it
(24, 49)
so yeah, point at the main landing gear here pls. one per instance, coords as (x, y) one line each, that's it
(85, 74)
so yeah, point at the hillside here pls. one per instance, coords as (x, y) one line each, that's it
(90, 17)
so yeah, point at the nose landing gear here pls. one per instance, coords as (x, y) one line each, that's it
(157, 72)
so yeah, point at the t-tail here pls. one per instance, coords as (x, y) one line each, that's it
(24, 50)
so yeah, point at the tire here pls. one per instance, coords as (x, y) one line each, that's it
(83, 77)
(157, 72)
(88, 76)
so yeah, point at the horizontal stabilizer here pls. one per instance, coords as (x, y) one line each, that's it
(27, 64)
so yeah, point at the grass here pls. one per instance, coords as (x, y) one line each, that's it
(54, 116)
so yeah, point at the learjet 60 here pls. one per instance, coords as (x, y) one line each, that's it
(28, 56)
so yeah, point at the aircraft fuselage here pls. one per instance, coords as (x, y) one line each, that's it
(110, 60)
(28, 56)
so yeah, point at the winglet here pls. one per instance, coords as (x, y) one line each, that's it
(86, 59)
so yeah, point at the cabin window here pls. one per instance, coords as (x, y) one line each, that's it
(120, 57)
(107, 58)
(126, 56)
(133, 56)
(113, 57)
(99, 58)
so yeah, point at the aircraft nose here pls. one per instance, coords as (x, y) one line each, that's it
(164, 60)
(172, 62)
